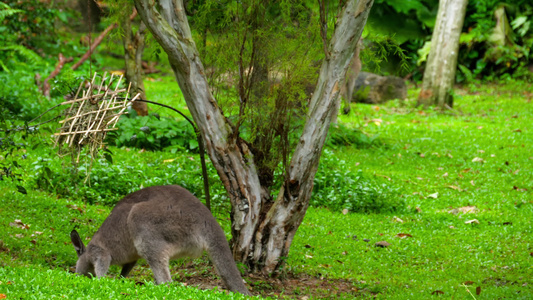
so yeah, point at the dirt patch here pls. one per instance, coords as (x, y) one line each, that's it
(288, 286)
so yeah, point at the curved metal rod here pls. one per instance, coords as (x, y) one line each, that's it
(200, 146)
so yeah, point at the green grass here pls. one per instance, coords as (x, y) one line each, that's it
(425, 155)
(40, 283)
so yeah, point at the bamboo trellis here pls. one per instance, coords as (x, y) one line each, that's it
(95, 110)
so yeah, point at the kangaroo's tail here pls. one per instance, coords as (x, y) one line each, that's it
(220, 254)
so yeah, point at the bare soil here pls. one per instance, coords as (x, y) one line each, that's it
(288, 286)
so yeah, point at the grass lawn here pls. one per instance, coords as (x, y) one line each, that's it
(466, 178)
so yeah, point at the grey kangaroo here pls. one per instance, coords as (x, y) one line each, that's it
(157, 223)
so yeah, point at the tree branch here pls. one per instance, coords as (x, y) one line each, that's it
(62, 60)
(97, 42)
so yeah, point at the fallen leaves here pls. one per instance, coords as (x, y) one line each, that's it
(478, 159)
(473, 221)
(403, 235)
(434, 195)
(75, 207)
(19, 224)
(382, 244)
(396, 219)
(464, 210)
(453, 187)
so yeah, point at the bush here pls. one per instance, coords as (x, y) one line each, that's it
(337, 188)
(107, 183)
(154, 133)
(340, 135)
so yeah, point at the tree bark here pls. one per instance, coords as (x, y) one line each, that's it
(133, 51)
(439, 76)
(262, 228)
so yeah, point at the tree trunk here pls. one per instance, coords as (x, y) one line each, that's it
(439, 76)
(133, 51)
(262, 228)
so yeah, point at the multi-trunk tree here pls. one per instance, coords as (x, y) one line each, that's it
(263, 225)
(439, 75)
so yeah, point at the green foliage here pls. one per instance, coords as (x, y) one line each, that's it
(10, 146)
(338, 188)
(497, 40)
(341, 135)
(403, 20)
(7, 11)
(32, 23)
(27, 37)
(495, 43)
(15, 138)
(154, 133)
(19, 95)
(107, 182)
(262, 60)
(8, 40)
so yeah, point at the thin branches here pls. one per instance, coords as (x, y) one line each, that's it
(324, 28)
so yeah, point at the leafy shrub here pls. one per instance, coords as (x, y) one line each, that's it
(498, 40)
(106, 183)
(154, 133)
(337, 188)
(340, 135)
(14, 140)
(495, 43)
(10, 144)
(32, 23)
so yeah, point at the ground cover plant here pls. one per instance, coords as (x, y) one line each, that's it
(456, 216)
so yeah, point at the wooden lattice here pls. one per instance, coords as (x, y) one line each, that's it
(95, 110)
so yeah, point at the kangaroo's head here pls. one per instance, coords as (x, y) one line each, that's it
(84, 266)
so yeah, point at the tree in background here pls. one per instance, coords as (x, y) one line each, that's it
(263, 226)
(133, 51)
(439, 75)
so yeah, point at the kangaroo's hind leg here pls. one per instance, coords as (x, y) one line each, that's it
(160, 268)
(155, 251)
(126, 269)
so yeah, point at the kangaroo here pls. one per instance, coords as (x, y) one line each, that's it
(157, 223)
(348, 85)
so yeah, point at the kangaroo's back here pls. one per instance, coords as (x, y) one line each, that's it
(174, 215)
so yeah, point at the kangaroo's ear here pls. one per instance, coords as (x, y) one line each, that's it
(77, 242)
